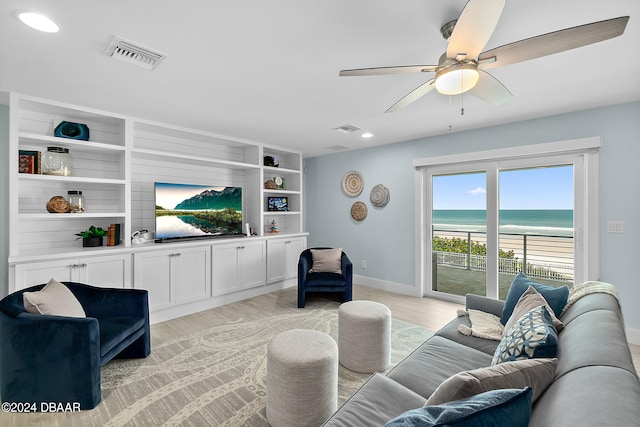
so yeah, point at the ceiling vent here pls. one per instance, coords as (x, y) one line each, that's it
(348, 128)
(338, 147)
(134, 53)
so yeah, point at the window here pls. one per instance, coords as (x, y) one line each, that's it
(485, 216)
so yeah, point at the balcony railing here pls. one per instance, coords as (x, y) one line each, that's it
(538, 256)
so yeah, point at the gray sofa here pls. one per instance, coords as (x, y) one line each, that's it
(595, 383)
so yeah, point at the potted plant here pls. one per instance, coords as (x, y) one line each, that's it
(92, 236)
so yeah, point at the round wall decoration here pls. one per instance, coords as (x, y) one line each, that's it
(352, 183)
(358, 211)
(379, 196)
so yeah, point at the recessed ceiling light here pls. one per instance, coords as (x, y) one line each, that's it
(367, 135)
(38, 22)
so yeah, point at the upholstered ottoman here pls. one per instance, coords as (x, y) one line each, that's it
(302, 378)
(364, 336)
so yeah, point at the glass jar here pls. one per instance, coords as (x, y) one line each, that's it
(57, 161)
(76, 201)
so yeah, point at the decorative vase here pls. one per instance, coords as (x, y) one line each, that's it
(91, 242)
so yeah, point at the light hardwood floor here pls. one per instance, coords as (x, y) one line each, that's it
(428, 312)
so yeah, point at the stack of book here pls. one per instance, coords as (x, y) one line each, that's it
(113, 235)
(29, 161)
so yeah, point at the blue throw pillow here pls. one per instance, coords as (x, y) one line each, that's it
(506, 407)
(555, 297)
(533, 335)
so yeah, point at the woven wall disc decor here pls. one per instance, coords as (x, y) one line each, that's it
(352, 183)
(359, 211)
(379, 196)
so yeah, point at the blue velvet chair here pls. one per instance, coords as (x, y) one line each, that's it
(324, 282)
(58, 359)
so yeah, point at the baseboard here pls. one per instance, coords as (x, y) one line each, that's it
(384, 285)
(633, 336)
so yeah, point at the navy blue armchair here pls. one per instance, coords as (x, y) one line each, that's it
(324, 282)
(57, 358)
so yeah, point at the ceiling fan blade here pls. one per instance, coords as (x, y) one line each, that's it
(404, 69)
(490, 90)
(412, 96)
(554, 42)
(474, 27)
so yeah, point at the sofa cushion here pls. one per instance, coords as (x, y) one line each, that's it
(324, 279)
(535, 373)
(114, 330)
(435, 361)
(54, 299)
(555, 297)
(529, 300)
(377, 401)
(451, 331)
(326, 261)
(489, 409)
(533, 335)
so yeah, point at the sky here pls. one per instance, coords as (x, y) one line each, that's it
(169, 195)
(540, 188)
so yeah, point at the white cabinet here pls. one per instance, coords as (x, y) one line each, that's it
(238, 266)
(109, 271)
(282, 257)
(175, 276)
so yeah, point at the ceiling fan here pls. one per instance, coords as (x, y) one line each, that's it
(461, 67)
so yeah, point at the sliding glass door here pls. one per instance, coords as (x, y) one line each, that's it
(488, 221)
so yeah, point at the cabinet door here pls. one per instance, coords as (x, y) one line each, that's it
(192, 274)
(276, 253)
(106, 271)
(252, 265)
(35, 273)
(293, 249)
(224, 265)
(152, 271)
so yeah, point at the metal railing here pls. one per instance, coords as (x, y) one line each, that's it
(538, 256)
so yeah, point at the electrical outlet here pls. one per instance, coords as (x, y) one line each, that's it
(364, 263)
(615, 227)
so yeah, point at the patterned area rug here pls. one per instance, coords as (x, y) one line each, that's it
(216, 377)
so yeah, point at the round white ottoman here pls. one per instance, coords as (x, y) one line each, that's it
(302, 378)
(364, 336)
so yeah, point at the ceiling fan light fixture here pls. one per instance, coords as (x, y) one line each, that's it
(457, 78)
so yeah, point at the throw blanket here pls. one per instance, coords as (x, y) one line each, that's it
(483, 325)
(578, 291)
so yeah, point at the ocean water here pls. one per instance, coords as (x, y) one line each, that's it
(551, 222)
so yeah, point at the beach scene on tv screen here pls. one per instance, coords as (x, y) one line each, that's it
(187, 210)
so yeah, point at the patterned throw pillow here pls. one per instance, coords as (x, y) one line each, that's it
(533, 335)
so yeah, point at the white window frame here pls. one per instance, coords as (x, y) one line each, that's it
(583, 154)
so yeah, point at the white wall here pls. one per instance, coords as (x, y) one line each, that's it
(4, 199)
(386, 237)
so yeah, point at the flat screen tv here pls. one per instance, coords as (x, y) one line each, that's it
(189, 211)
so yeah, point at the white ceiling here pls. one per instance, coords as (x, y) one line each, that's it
(267, 71)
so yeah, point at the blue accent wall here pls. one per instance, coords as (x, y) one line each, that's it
(386, 237)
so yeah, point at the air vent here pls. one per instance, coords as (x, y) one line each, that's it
(134, 53)
(348, 128)
(338, 147)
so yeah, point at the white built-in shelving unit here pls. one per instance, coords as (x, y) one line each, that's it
(116, 170)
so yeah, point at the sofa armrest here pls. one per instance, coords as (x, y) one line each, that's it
(481, 303)
(50, 358)
(347, 268)
(304, 265)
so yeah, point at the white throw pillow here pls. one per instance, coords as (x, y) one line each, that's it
(54, 299)
(326, 261)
